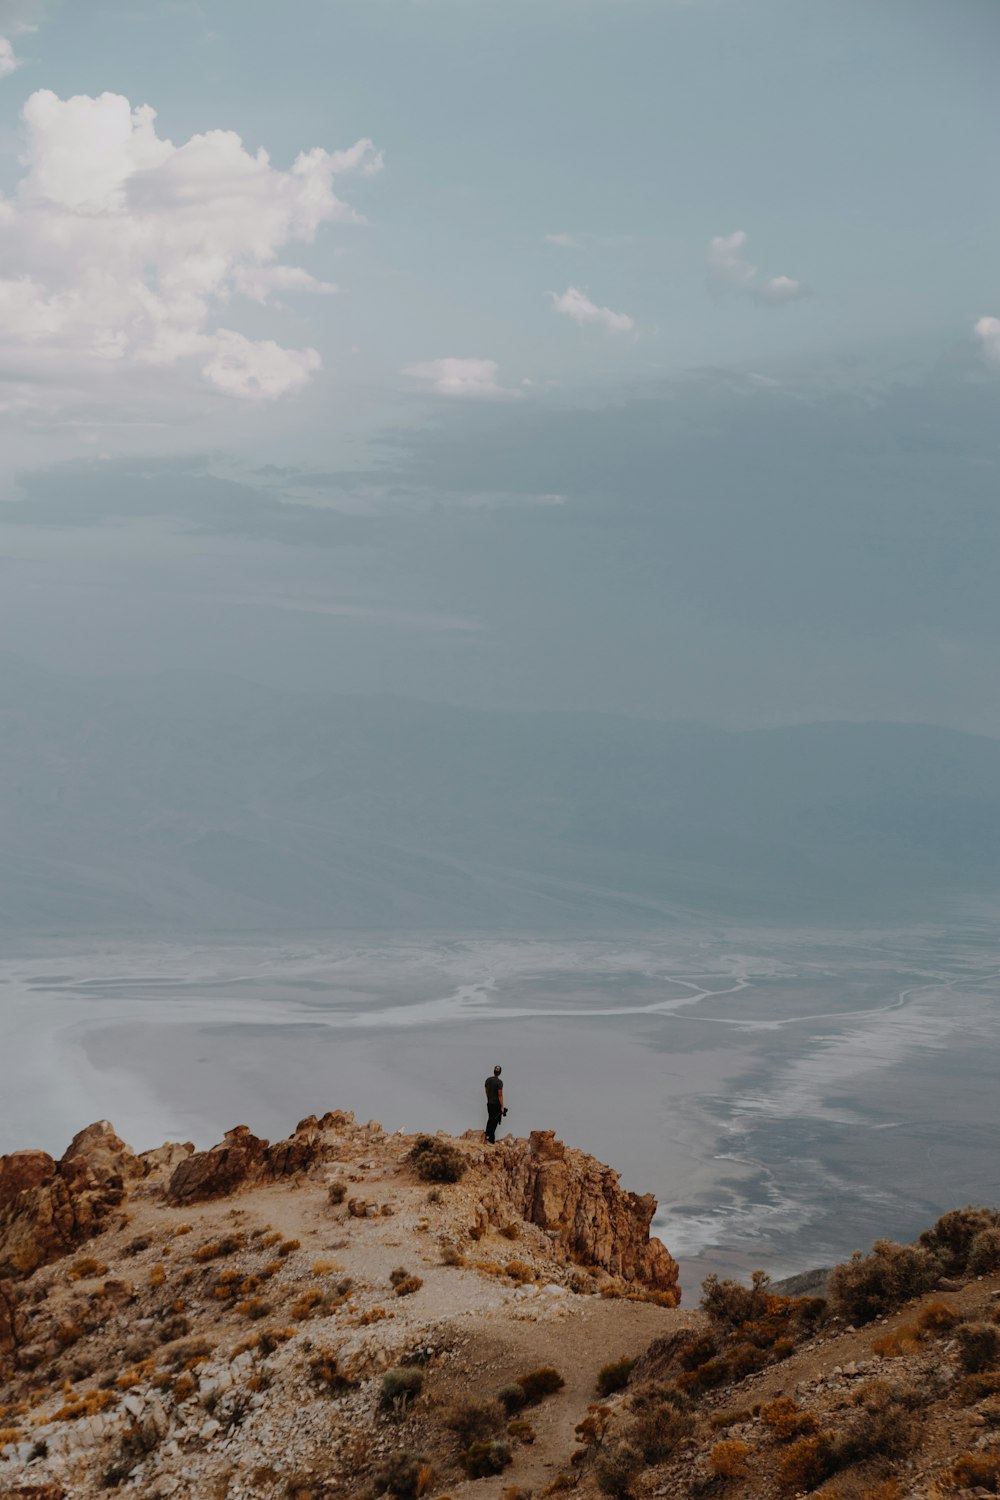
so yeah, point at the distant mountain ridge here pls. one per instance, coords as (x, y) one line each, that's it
(206, 803)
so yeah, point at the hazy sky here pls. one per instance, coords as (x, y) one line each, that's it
(629, 354)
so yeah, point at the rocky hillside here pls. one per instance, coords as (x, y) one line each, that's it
(347, 1313)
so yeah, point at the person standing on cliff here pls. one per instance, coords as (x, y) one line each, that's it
(494, 1104)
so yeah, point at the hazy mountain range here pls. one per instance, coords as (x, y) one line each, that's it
(192, 802)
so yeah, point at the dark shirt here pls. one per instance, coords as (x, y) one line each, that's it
(493, 1087)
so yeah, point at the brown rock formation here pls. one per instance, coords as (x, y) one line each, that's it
(11, 1317)
(242, 1159)
(580, 1202)
(48, 1208)
(239, 1158)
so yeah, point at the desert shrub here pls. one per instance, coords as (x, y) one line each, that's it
(984, 1252)
(404, 1475)
(938, 1317)
(728, 1459)
(884, 1428)
(451, 1255)
(867, 1286)
(337, 1191)
(614, 1377)
(512, 1398)
(721, 1419)
(696, 1352)
(229, 1244)
(952, 1237)
(85, 1406)
(85, 1268)
(707, 1377)
(976, 1471)
(805, 1464)
(616, 1469)
(658, 1428)
(977, 1388)
(538, 1384)
(190, 1349)
(184, 1386)
(903, 1340)
(519, 1271)
(473, 1421)
(400, 1386)
(522, 1431)
(271, 1339)
(482, 1459)
(287, 1247)
(157, 1275)
(373, 1315)
(309, 1304)
(324, 1372)
(408, 1286)
(730, 1304)
(436, 1160)
(592, 1431)
(255, 1308)
(785, 1419)
(978, 1346)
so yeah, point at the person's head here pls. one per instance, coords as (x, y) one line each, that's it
(496, 1071)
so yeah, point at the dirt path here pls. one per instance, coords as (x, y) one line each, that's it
(590, 1333)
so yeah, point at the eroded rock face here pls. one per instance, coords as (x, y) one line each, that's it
(48, 1208)
(11, 1317)
(581, 1203)
(237, 1159)
(242, 1159)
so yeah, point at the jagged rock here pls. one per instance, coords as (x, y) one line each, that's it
(298, 1152)
(22, 1171)
(237, 1159)
(48, 1208)
(164, 1160)
(11, 1317)
(580, 1200)
(243, 1158)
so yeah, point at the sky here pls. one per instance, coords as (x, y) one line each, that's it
(630, 355)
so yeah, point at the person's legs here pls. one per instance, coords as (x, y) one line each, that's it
(491, 1126)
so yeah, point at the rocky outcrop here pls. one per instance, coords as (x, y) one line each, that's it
(11, 1317)
(581, 1204)
(238, 1159)
(48, 1208)
(242, 1159)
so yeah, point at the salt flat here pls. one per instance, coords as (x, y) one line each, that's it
(786, 1094)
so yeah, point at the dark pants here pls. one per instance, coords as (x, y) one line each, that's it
(492, 1122)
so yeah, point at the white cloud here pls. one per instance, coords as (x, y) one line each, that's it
(730, 270)
(987, 331)
(121, 248)
(564, 241)
(578, 306)
(8, 62)
(458, 377)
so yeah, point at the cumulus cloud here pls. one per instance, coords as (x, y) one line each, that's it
(730, 270)
(122, 249)
(987, 331)
(458, 377)
(8, 61)
(577, 305)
